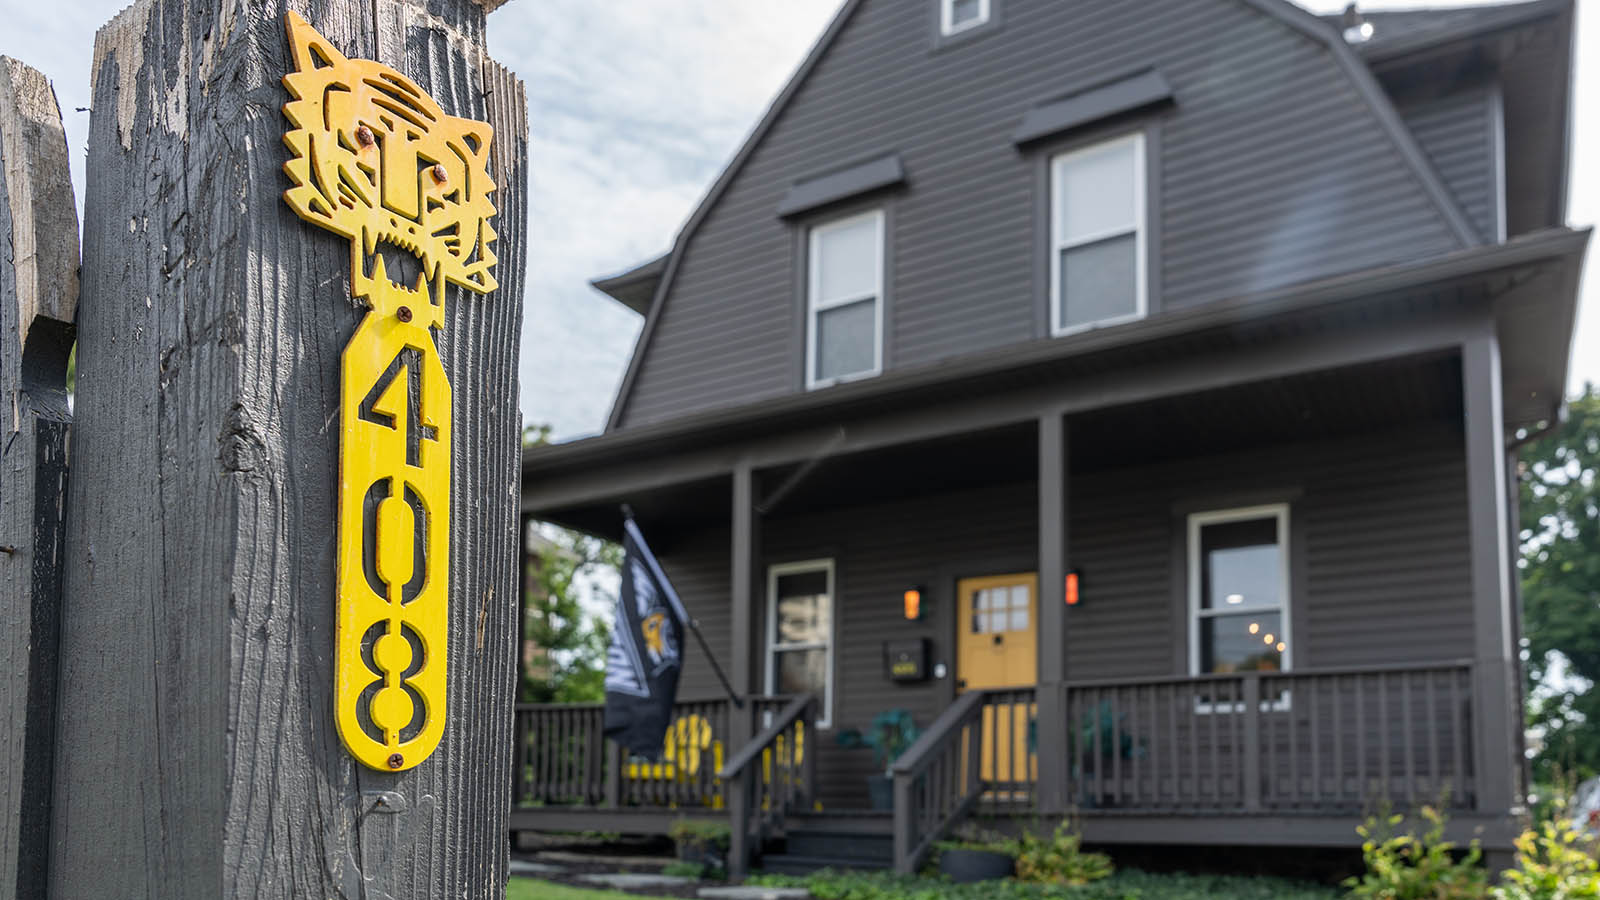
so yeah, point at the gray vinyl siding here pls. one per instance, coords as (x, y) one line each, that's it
(1379, 543)
(698, 568)
(1379, 566)
(1271, 169)
(876, 557)
(1457, 132)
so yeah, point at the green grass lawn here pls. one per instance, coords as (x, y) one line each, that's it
(1128, 884)
(530, 889)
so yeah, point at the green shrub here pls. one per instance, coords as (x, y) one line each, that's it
(1059, 859)
(1406, 866)
(702, 846)
(1124, 885)
(1554, 863)
(680, 869)
(700, 834)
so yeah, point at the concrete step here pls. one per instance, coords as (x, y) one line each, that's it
(848, 844)
(789, 864)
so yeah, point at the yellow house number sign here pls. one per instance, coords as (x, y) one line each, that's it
(377, 161)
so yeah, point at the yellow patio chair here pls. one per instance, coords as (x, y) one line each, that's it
(688, 737)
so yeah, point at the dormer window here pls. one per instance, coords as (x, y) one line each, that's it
(1097, 235)
(956, 16)
(844, 300)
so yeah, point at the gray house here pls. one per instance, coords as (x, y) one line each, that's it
(1128, 392)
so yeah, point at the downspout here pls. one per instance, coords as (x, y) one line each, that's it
(1513, 513)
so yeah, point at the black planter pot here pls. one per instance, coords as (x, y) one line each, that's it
(880, 790)
(967, 866)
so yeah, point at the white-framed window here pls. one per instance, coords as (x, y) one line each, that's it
(800, 612)
(844, 305)
(1098, 266)
(956, 16)
(1239, 591)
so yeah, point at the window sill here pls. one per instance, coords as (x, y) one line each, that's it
(1102, 323)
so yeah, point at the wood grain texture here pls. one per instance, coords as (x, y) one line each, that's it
(38, 291)
(198, 637)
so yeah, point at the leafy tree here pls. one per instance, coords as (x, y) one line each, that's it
(1560, 569)
(564, 650)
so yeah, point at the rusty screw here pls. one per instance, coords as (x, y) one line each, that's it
(439, 174)
(364, 136)
(396, 760)
(403, 313)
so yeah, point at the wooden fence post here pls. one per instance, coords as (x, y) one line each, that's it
(38, 295)
(198, 639)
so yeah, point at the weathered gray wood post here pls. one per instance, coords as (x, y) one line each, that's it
(38, 295)
(201, 753)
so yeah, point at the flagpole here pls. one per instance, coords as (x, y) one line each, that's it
(694, 626)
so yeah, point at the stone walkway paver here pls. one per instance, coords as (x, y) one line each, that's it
(754, 892)
(623, 881)
(523, 867)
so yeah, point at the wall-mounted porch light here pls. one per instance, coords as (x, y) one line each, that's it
(913, 603)
(1072, 587)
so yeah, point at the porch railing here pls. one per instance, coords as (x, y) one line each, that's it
(563, 758)
(1329, 742)
(770, 777)
(981, 750)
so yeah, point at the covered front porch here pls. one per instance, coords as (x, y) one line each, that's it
(1368, 424)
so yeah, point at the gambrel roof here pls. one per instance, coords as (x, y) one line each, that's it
(660, 276)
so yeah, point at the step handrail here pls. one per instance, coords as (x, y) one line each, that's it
(927, 803)
(780, 723)
(920, 754)
(763, 781)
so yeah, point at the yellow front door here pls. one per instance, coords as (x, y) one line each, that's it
(997, 647)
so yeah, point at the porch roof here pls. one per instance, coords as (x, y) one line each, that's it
(1530, 282)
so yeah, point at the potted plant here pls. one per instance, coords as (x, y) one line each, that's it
(891, 733)
(1097, 747)
(977, 855)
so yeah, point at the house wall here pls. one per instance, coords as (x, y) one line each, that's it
(1270, 169)
(1380, 568)
(1463, 134)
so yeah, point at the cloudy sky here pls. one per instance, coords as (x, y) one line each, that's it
(635, 105)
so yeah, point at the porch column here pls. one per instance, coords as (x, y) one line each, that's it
(1497, 731)
(746, 547)
(1052, 695)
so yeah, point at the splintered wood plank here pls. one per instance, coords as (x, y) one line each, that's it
(198, 640)
(38, 295)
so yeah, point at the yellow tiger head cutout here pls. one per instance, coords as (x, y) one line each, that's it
(377, 161)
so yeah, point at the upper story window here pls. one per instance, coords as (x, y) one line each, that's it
(956, 16)
(844, 307)
(1239, 590)
(1097, 235)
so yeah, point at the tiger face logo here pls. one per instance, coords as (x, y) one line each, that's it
(375, 159)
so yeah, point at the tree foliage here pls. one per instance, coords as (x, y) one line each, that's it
(1560, 570)
(563, 620)
(565, 605)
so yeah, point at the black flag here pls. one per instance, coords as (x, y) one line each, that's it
(646, 653)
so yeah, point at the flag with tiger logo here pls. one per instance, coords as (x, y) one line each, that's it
(646, 653)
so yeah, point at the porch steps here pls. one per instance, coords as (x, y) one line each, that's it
(823, 841)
